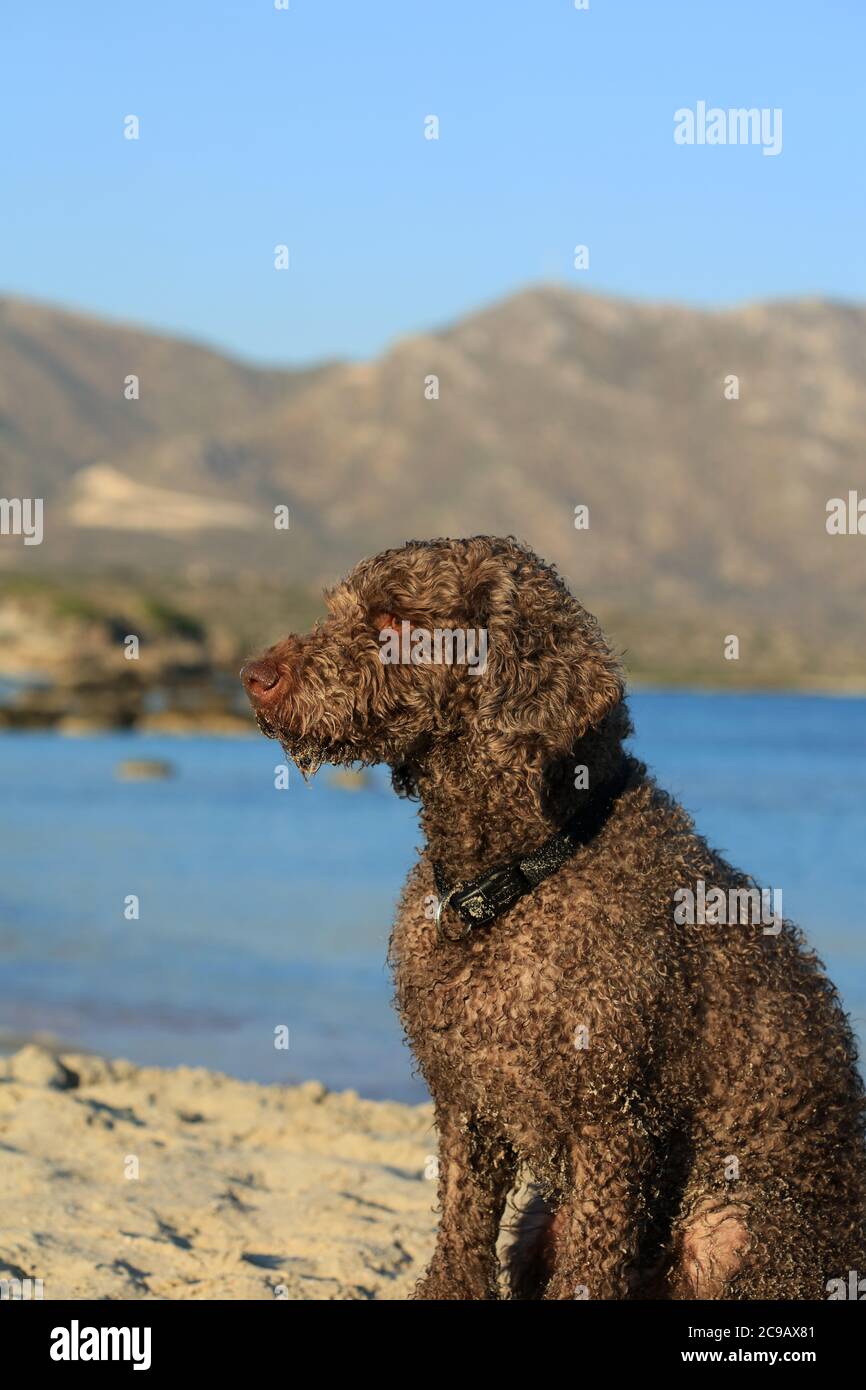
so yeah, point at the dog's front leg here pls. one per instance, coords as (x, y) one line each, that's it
(476, 1170)
(598, 1227)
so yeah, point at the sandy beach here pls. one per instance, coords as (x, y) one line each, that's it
(123, 1182)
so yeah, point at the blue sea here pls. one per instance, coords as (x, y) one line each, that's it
(262, 909)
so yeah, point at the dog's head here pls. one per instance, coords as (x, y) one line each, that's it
(439, 640)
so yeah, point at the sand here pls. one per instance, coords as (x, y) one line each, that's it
(242, 1191)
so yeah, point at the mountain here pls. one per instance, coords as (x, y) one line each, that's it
(63, 407)
(547, 401)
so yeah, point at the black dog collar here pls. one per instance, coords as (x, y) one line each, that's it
(483, 899)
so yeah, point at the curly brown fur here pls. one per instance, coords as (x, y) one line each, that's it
(703, 1043)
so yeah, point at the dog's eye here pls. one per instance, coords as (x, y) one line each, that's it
(383, 621)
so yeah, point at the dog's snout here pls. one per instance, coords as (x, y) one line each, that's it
(260, 679)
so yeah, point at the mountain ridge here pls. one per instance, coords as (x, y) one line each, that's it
(547, 400)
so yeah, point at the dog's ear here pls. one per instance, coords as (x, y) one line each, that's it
(551, 676)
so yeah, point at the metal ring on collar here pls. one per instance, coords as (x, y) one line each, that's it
(443, 903)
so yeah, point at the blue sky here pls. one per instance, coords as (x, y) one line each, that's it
(306, 128)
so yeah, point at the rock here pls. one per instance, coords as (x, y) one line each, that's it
(349, 780)
(81, 726)
(36, 1066)
(186, 723)
(144, 770)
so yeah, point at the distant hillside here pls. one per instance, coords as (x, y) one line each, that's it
(62, 404)
(698, 505)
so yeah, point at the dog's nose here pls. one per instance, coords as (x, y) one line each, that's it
(260, 678)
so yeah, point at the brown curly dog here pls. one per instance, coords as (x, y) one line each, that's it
(679, 1086)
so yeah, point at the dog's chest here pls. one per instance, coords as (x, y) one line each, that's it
(494, 1019)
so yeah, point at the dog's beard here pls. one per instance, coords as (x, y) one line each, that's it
(309, 752)
(306, 760)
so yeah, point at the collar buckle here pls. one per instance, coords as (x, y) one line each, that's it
(480, 901)
(483, 899)
(444, 902)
